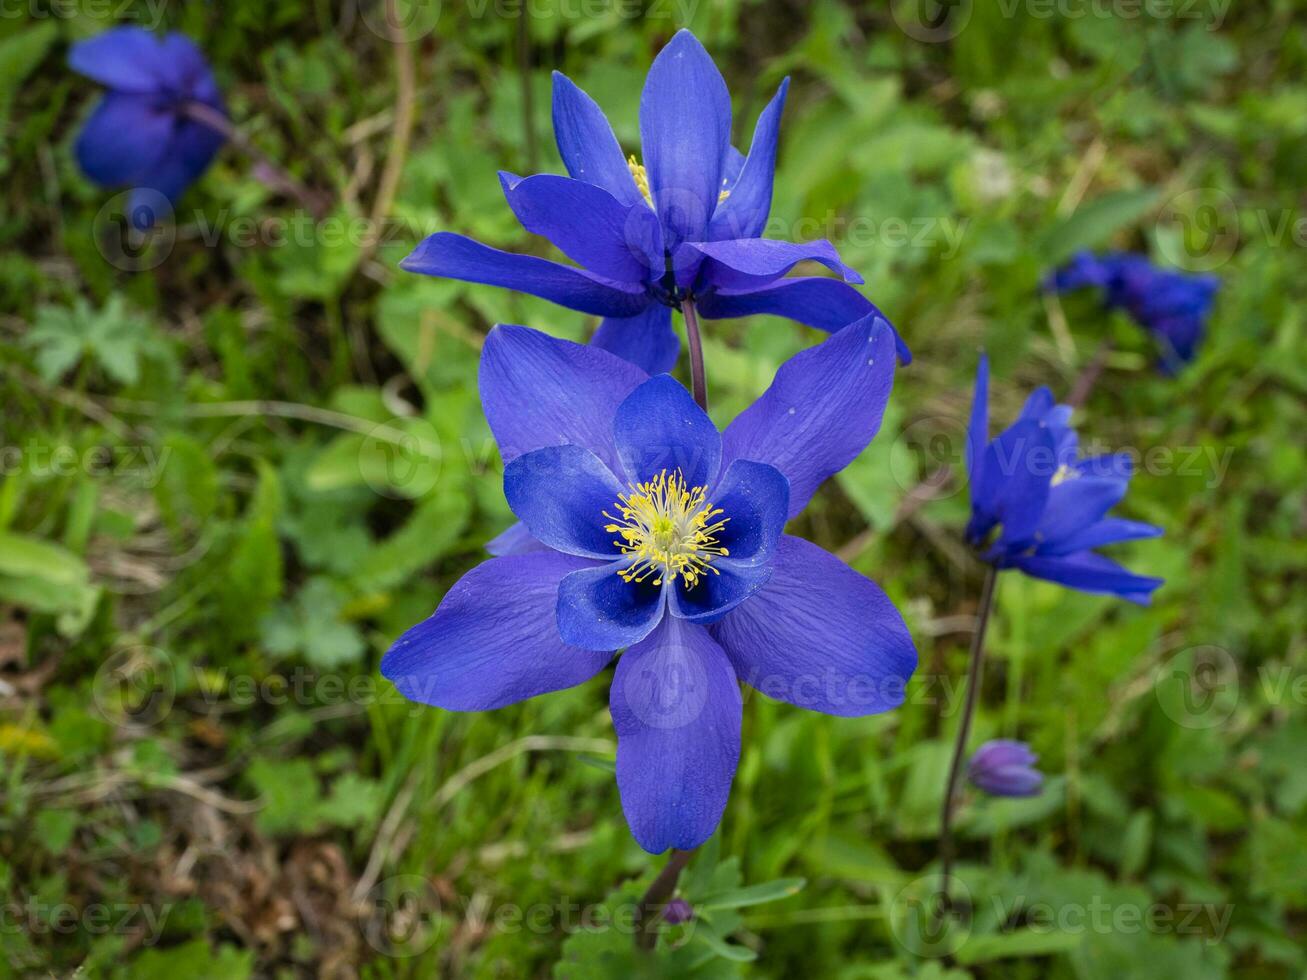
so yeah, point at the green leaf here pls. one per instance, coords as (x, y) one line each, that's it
(20, 54)
(1136, 844)
(22, 556)
(289, 792)
(113, 337)
(1094, 224)
(1023, 942)
(728, 951)
(769, 891)
(311, 626)
(55, 829)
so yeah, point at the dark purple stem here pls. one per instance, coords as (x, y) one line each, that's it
(276, 176)
(964, 730)
(698, 380)
(1084, 384)
(655, 898)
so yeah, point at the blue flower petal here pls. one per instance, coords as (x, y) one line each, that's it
(646, 339)
(586, 142)
(620, 242)
(659, 427)
(685, 127)
(1074, 505)
(192, 149)
(823, 409)
(744, 212)
(538, 391)
(458, 257)
(126, 59)
(1011, 485)
(560, 493)
(1110, 530)
(124, 140)
(677, 711)
(755, 500)
(717, 592)
(599, 610)
(516, 540)
(1090, 572)
(821, 302)
(751, 263)
(820, 636)
(493, 640)
(732, 164)
(1038, 404)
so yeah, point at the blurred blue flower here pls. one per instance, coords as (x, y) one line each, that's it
(1174, 306)
(1005, 767)
(1049, 504)
(141, 135)
(648, 529)
(684, 224)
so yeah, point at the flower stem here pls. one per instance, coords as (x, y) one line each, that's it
(659, 891)
(1084, 384)
(698, 380)
(964, 730)
(275, 176)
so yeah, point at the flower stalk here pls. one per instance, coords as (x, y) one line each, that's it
(974, 672)
(655, 898)
(271, 173)
(698, 379)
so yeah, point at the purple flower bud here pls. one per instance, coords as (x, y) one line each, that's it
(678, 910)
(1005, 767)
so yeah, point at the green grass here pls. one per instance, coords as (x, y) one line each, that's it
(230, 479)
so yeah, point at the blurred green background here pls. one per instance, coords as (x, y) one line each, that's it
(242, 457)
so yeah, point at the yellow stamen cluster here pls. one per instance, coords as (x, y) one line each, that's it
(640, 176)
(1064, 473)
(667, 527)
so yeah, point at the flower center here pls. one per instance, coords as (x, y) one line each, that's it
(668, 528)
(641, 178)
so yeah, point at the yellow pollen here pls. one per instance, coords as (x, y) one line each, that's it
(1064, 473)
(640, 176)
(667, 528)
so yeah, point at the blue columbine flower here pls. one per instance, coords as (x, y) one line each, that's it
(682, 225)
(1049, 504)
(1005, 767)
(648, 529)
(140, 135)
(1173, 306)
